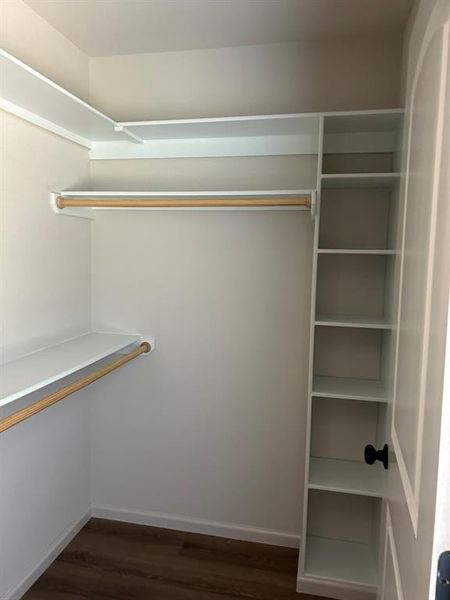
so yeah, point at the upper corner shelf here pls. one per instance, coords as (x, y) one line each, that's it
(376, 121)
(224, 127)
(377, 131)
(254, 135)
(30, 95)
(35, 98)
(39, 369)
(348, 388)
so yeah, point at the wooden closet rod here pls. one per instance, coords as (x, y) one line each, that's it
(29, 411)
(299, 201)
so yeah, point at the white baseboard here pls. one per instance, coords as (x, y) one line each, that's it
(19, 590)
(335, 589)
(192, 525)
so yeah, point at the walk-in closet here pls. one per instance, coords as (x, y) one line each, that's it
(225, 277)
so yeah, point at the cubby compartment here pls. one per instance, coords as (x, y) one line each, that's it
(348, 353)
(340, 430)
(356, 219)
(367, 390)
(354, 289)
(342, 538)
(368, 162)
(361, 143)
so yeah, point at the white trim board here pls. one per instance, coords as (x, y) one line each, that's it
(26, 115)
(233, 531)
(263, 145)
(390, 542)
(23, 586)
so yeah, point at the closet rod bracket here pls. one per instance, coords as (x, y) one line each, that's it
(147, 341)
(82, 213)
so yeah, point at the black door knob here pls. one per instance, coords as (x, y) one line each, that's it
(371, 454)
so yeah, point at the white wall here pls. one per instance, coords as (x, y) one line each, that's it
(211, 428)
(45, 297)
(211, 436)
(341, 74)
(28, 37)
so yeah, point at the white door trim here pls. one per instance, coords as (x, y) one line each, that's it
(390, 542)
(412, 488)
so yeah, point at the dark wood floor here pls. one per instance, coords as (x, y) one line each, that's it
(109, 560)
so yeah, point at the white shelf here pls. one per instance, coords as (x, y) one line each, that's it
(348, 477)
(221, 127)
(371, 132)
(357, 251)
(359, 180)
(39, 369)
(35, 98)
(253, 135)
(362, 322)
(250, 135)
(338, 560)
(31, 96)
(39, 100)
(347, 388)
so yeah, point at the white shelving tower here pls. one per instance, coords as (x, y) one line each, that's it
(350, 328)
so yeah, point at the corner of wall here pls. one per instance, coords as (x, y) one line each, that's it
(27, 36)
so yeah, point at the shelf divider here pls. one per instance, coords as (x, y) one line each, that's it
(358, 251)
(354, 321)
(348, 477)
(359, 180)
(348, 388)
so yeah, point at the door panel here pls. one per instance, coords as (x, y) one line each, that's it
(423, 302)
(417, 270)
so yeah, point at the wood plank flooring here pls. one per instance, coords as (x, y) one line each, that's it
(109, 560)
